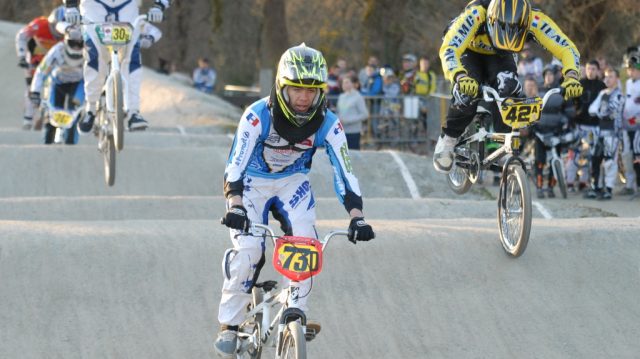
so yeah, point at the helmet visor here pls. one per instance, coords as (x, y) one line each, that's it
(75, 44)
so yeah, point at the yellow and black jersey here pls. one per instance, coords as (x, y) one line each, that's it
(468, 31)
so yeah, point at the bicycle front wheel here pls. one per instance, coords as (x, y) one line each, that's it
(294, 345)
(118, 105)
(255, 351)
(109, 155)
(558, 172)
(514, 211)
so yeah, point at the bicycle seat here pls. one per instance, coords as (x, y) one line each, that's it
(267, 285)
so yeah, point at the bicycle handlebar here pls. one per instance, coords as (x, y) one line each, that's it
(138, 20)
(324, 242)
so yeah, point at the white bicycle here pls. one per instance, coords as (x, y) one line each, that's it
(514, 199)
(297, 258)
(116, 37)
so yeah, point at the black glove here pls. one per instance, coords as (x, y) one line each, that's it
(359, 230)
(22, 62)
(34, 97)
(236, 218)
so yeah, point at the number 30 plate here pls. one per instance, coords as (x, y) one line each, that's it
(116, 33)
(297, 258)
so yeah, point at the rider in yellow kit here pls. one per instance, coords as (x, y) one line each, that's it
(479, 47)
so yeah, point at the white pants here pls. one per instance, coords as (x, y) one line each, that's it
(590, 133)
(606, 157)
(291, 202)
(627, 160)
(96, 66)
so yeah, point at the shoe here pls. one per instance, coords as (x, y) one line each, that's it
(592, 194)
(27, 125)
(86, 124)
(443, 154)
(540, 193)
(225, 344)
(137, 123)
(626, 191)
(582, 186)
(606, 194)
(550, 193)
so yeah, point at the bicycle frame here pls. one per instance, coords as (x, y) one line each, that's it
(511, 141)
(269, 301)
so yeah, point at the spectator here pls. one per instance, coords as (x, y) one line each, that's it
(204, 76)
(531, 87)
(373, 85)
(530, 64)
(607, 107)
(408, 78)
(333, 87)
(631, 122)
(362, 75)
(585, 123)
(603, 65)
(426, 81)
(342, 66)
(553, 120)
(352, 111)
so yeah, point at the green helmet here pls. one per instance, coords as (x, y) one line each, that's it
(301, 66)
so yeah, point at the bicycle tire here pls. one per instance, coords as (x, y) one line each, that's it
(514, 188)
(294, 344)
(458, 180)
(558, 172)
(118, 105)
(109, 156)
(256, 298)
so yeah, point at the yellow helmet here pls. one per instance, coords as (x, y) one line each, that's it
(508, 23)
(301, 66)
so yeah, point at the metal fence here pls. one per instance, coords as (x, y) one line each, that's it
(405, 123)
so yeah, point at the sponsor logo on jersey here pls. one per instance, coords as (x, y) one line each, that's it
(301, 192)
(244, 141)
(476, 14)
(536, 19)
(344, 152)
(463, 32)
(338, 128)
(553, 35)
(253, 119)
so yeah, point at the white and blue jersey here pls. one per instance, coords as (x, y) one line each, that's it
(260, 152)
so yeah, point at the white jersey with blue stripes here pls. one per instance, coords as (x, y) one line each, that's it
(259, 151)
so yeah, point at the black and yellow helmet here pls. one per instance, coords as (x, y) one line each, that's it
(301, 66)
(508, 23)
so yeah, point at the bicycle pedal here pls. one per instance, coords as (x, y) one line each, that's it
(313, 329)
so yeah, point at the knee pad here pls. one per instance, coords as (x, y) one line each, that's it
(238, 268)
(508, 84)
